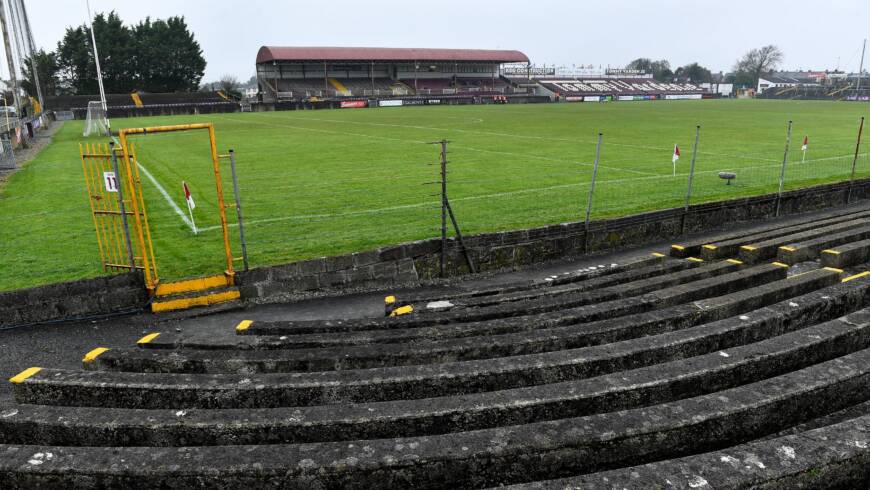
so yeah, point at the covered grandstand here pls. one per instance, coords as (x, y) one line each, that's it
(302, 73)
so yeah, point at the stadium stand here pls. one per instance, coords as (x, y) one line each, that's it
(618, 87)
(120, 104)
(668, 370)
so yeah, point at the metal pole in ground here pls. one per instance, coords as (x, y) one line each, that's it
(855, 160)
(121, 206)
(239, 208)
(591, 193)
(691, 177)
(443, 205)
(782, 170)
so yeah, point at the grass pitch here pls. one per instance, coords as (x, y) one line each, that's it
(317, 183)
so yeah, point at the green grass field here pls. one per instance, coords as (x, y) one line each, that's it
(318, 183)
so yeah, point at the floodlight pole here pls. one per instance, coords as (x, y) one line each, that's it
(855, 160)
(99, 70)
(782, 170)
(691, 177)
(591, 193)
(861, 69)
(10, 58)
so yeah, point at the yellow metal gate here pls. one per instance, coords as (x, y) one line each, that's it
(118, 208)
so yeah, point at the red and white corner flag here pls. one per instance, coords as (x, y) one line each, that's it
(190, 204)
(675, 158)
(804, 148)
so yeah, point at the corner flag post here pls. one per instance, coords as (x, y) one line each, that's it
(190, 205)
(675, 158)
(804, 148)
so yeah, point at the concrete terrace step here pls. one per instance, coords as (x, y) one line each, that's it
(699, 270)
(731, 248)
(485, 457)
(836, 456)
(546, 340)
(145, 390)
(690, 247)
(807, 250)
(194, 299)
(846, 255)
(766, 249)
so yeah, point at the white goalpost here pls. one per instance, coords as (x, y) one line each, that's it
(96, 122)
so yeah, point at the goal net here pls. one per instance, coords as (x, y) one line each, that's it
(96, 122)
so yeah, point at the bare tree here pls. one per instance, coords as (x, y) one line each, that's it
(757, 62)
(229, 84)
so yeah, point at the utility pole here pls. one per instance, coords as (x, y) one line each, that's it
(97, 61)
(10, 58)
(32, 48)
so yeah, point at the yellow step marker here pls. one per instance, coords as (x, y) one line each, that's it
(856, 276)
(678, 247)
(734, 261)
(779, 264)
(20, 377)
(657, 254)
(787, 248)
(747, 247)
(834, 269)
(695, 259)
(244, 325)
(389, 300)
(710, 247)
(90, 356)
(147, 338)
(404, 310)
(832, 252)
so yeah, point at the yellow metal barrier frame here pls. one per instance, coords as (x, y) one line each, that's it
(122, 136)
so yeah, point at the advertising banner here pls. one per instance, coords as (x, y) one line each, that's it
(353, 104)
(390, 103)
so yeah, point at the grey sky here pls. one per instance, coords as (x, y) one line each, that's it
(604, 32)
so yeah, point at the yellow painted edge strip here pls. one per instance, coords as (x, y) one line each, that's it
(678, 247)
(838, 271)
(20, 377)
(734, 261)
(147, 338)
(780, 264)
(404, 310)
(90, 356)
(832, 252)
(185, 303)
(191, 285)
(856, 276)
(710, 247)
(787, 248)
(244, 325)
(695, 259)
(747, 247)
(389, 300)
(656, 254)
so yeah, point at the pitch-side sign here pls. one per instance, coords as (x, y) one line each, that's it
(110, 181)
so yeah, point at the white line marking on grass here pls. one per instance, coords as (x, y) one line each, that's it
(166, 196)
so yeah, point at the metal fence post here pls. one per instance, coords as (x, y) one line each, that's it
(239, 208)
(443, 205)
(122, 208)
(691, 177)
(591, 193)
(782, 170)
(855, 161)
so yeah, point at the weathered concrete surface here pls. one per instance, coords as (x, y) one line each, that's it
(846, 255)
(688, 247)
(810, 249)
(762, 250)
(450, 350)
(730, 248)
(475, 458)
(837, 456)
(145, 390)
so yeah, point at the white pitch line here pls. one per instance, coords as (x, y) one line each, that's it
(166, 196)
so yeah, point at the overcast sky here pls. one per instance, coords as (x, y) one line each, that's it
(603, 32)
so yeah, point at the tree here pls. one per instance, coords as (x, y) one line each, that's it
(154, 56)
(47, 68)
(661, 69)
(755, 63)
(694, 73)
(230, 85)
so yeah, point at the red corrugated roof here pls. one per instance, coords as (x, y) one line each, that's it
(313, 53)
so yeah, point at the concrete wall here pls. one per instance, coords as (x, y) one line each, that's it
(412, 263)
(68, 300)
